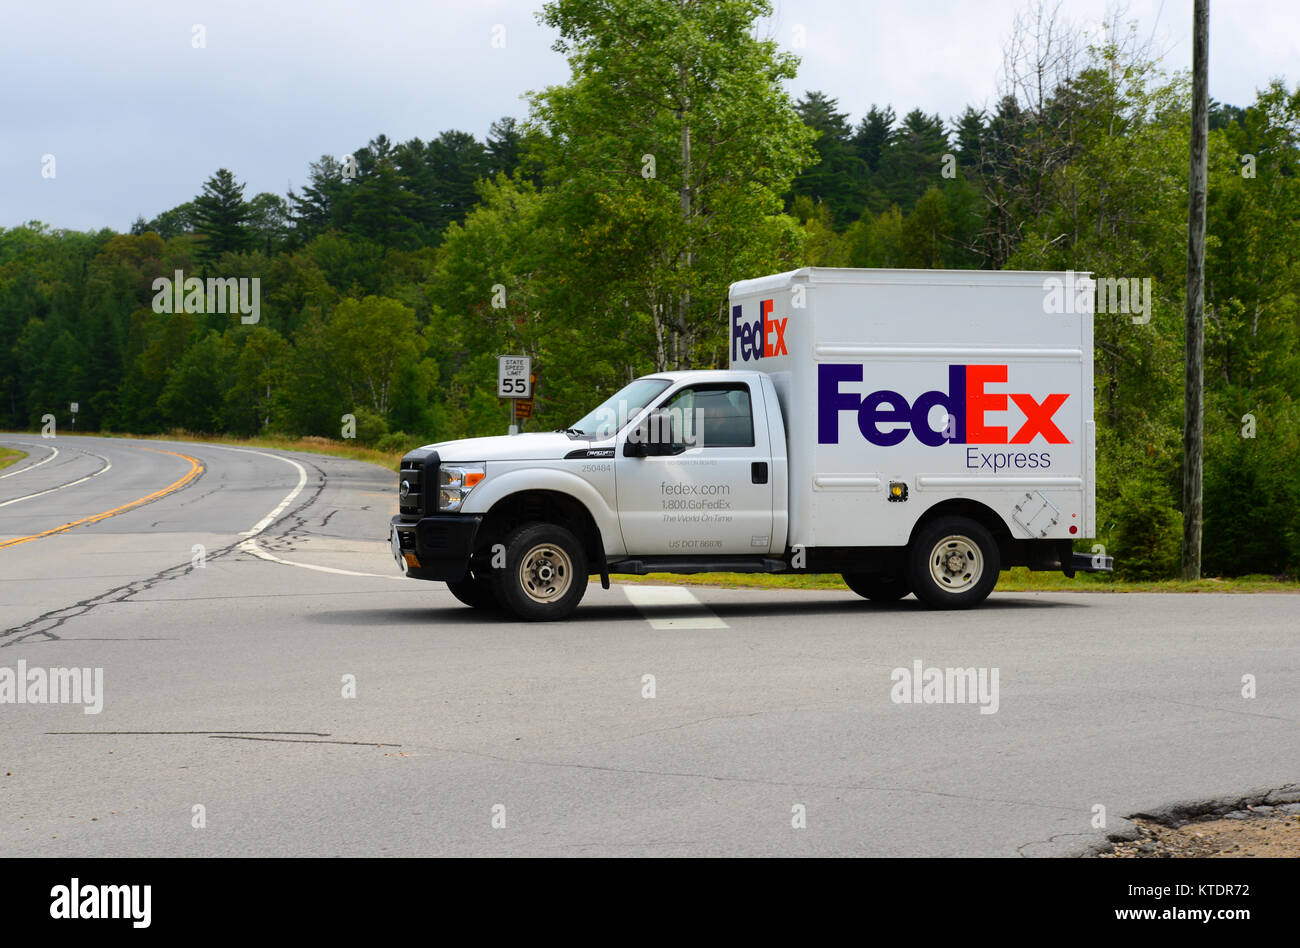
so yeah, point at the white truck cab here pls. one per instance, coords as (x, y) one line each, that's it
(914, 430)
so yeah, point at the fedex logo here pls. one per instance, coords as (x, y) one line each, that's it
(885, 417)
(764, 338)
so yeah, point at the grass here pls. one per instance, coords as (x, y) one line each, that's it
(1018, 579)
(9, 456)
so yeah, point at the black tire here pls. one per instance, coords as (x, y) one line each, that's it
(952, 563)
(545, 573)
(474, 592)
(877, 587)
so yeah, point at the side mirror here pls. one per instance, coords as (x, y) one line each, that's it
(655, 436)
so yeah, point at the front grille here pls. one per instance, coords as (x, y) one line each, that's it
(419, 469)
(412, 474)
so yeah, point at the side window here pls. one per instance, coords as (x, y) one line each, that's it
(718, 415)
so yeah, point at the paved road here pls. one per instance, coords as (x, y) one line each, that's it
(223, 688)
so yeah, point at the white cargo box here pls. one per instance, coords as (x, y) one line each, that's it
(902, 389)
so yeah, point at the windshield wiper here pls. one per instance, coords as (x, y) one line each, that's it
(572, 431)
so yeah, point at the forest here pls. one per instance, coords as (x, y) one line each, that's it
(599, 233)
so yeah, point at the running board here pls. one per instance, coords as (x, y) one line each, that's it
(687, 565)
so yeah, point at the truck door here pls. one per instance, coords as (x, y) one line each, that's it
(714, 497)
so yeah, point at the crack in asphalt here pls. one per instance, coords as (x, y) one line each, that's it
(919, 791)
(678, 727)
(43, 627)
(195, 500)
(295, 521)
(1020, 850)
(290, 740)
(209, 733)
(122, 638)
(281, 737)
(269, 595)
(1199, 707)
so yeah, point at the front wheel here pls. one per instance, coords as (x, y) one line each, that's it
(953, 563)
(877, 587)
(473, 592)
(545, 572)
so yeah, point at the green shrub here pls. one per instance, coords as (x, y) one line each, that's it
(398, 441)
(371, 426)
(1252, 493)
(1148, 530)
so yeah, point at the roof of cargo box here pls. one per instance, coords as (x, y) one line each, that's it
(865, 277)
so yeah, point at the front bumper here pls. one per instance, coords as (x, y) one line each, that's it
(434, 547)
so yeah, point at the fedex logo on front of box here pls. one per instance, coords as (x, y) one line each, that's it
(885, 417)
(764, 338)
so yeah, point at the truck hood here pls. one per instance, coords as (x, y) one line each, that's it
(531, 446)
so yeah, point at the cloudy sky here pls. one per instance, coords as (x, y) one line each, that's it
(137, 117)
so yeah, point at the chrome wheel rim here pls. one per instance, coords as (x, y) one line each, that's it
(545, 573)
(956, 564)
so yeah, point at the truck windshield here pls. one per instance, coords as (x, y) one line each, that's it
(620, 408)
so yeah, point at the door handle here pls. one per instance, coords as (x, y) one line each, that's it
(758, 472)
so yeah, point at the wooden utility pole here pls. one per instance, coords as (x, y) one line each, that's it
(1194, 379)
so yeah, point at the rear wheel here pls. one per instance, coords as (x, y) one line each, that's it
(877, 587)
(474, 592)
(953, 563)
(545, 572)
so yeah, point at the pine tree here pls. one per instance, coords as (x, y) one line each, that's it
(222, 215)
(837, 178)
(317, 209)
(874, 134)
(504, 146)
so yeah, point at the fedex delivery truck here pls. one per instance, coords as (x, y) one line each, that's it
(913, 430)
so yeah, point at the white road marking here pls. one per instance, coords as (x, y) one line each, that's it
(250, 545)
(31, 467)
(41, 493)
(675, 599)
(289, 497)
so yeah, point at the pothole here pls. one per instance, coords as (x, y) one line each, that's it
(1267, 826)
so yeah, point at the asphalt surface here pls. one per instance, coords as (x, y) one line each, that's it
(223, 688)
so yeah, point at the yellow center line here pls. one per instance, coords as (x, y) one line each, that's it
(196, 468)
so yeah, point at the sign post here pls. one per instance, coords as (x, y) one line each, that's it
(75, 406)
(515, 382)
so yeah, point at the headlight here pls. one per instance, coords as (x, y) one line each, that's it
(455, 481)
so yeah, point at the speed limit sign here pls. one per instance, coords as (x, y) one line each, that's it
(513, 377)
